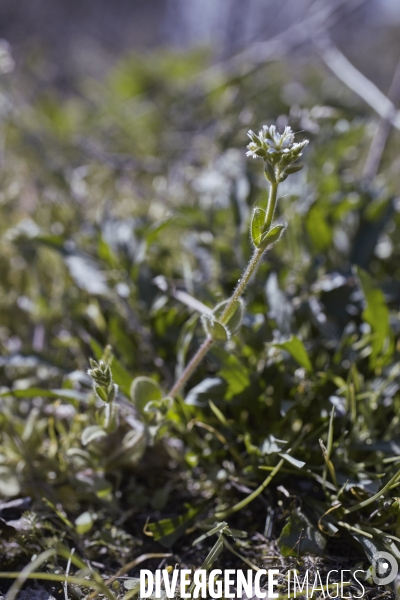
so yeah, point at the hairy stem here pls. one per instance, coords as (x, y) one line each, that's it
(255, 259)
(191, 367)
(273, 196)
(241, 286)
(229, 309)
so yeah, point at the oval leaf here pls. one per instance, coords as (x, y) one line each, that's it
(102, 488)
(91, 433)
(257, 225)
(272, 235)
(84, 523)
(296, 348)
(144, 390)
(215, 329)
(132, 584)
(236, 317)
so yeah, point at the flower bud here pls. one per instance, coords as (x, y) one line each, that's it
(103, 384)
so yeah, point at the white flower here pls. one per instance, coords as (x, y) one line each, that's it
(270, 143)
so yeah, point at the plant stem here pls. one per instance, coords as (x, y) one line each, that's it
(273, 195)
(255, 259)
(191, 367)
(240, 288)
(253, 495)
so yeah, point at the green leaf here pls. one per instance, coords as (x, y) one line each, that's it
(121, 376)
(269, 172)
(272, 235)
(376, 314)
(132, 584)
(91, 433)
(167, 531)
(217, 413)
(96, 349)
(159, 406)
(257, 225)
(134, 445)
(296, 348)
(84, 523)
(101, 487)
(293, 169)
(232, 370)
(144, 390)
(210, 387)
(215, 329)
(235, 317)
(299, 536)
(101, 393)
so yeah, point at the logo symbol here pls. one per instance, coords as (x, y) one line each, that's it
(384, 568)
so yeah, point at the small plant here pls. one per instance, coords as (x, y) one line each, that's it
(279, 153)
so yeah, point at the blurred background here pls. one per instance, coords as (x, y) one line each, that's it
(86, 37)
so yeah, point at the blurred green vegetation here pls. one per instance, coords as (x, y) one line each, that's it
(116, 199)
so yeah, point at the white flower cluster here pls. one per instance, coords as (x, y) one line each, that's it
(278, 150)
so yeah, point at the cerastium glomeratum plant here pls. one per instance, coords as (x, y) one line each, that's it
(279, 153)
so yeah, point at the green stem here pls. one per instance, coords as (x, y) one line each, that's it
(273, 195)
(229, 309)
(191, 367)
(255, 259)
(253, 495)
(394, 481)
(241, 286)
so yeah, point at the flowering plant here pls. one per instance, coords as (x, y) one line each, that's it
(279, 153)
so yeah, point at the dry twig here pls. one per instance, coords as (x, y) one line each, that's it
(357, 81)
(382, 132)
(317, 21)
